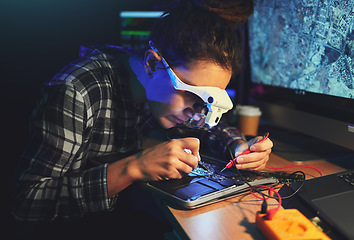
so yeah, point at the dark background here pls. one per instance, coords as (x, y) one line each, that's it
(37, 39)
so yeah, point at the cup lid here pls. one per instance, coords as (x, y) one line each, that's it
(248, 110)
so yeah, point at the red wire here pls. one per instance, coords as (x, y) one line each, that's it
(270, 212)
(300, 165)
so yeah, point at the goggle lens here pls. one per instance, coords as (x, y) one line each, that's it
(198, 119)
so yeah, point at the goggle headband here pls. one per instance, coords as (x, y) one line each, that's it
(217, 100)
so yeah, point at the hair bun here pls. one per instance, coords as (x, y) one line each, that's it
(232, 10)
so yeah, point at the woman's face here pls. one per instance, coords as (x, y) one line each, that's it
(170, 106)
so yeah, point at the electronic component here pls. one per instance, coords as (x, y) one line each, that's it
(288, 224)
(284, 177)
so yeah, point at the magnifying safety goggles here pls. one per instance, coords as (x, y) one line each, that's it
(216, 100)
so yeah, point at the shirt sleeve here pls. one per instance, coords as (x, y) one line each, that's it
(224, 139)
(220, 141)
(53, 181)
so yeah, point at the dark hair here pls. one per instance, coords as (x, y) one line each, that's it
(202, 30)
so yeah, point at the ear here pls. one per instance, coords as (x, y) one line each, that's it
(151, 60)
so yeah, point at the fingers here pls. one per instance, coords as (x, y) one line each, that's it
(254, 161)
(262, 146)
(190, 146)
(188, 150)
(259, 156)
(184, 157)
(241, 148)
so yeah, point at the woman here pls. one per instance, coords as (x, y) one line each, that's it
(95, 113)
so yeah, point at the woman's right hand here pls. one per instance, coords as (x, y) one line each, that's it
(167, 160)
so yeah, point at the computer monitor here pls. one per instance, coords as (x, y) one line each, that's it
(302, 66)
(135, 28)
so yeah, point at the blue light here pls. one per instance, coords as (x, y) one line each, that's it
(231, 92)
(140, 14)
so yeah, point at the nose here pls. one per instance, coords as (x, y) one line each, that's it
(193, 105)
(199, 113)
(197, 107)
(188, 112)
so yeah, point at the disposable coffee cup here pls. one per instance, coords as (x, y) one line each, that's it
(248, 119)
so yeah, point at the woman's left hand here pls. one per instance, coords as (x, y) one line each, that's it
(259, 156)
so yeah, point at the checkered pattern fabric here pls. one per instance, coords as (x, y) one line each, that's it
(85, 119)
(86, 112)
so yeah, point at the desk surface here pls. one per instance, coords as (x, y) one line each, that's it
(235, 216)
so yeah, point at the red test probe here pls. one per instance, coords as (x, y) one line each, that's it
(232, 162)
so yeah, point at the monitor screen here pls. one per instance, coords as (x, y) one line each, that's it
(135, 28)
(302, 66)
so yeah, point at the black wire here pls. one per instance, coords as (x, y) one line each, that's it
(238, 171)
(261, 193)
(298, 189)
(284, 197)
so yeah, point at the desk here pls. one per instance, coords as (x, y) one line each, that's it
(235, 217)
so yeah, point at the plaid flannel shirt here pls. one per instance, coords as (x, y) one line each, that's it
(85, 116)
(86, 112)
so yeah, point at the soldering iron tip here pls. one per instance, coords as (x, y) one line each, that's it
(223, 169)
